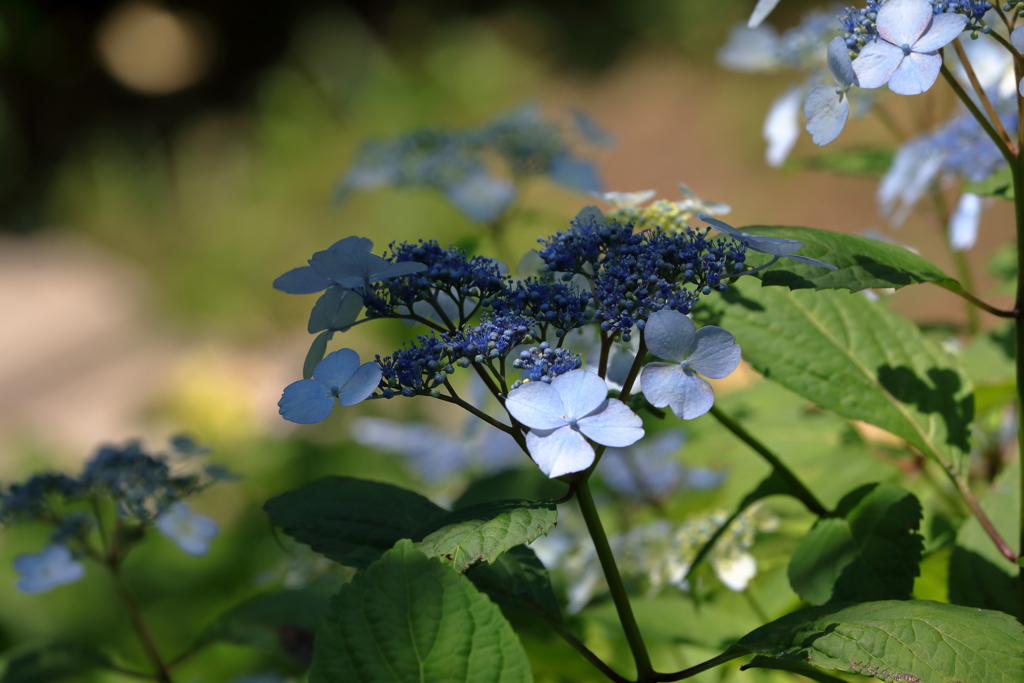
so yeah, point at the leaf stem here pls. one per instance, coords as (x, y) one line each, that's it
(1002, 313)
(162, 674)
(800, 491)
(634, 369)
(973, 108)
(700, 668)
(585, 497)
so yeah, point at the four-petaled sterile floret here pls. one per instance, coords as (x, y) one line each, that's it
(43, 571)
(338, 377)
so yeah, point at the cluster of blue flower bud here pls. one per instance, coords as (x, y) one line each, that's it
(495, 337)
(545, 363)
(556, 306)
(860, 29)
(419, 368)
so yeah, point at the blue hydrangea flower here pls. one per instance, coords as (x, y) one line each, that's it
(562, 415)
(303, 280)
(188, 530)
(781, 127)
(339, 377)
(774, 246)
(710, 351)
(761, 10)
(905, 55)
(827, 107)
(354, 269)
(44, 571)
(963, 224)
(481, 196)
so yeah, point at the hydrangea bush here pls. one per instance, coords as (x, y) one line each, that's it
(576, 365)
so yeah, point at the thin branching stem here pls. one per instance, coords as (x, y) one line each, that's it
(973, 108)
(588, 654)
(699, 668)
(634, 370)
(982, 96)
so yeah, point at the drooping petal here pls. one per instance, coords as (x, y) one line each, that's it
(963, 224)
(336, 368)
(750, 50)
(827, 111)
(944, 29)
(336, 309)
(559, 451)
(481, 196)
(576, 174)
(903, 21)
(810, 261)
(688, 395)
(781, 127)
(581, 392)
(761, 10)
(306, 402)
(916, 73)
(1017, 38)
(669, 334)
(393, 270)
(721, 226)
(614, 424)
(839, 63)
(301, 280)
(537, 405)
(776, 246)
(365, 379)
(348, 268)
(715, 352)
(875, 63)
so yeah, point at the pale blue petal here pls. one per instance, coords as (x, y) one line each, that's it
(347, 268)
(589, 129)
(393, 270)
(575, 174)
(537, 405)
(662, 384)
(560, 451)
(336, 368)
(1017, 38)
(715, 352)
(810, 261)
(963, 224)
(613, 425)
(875, 63)
(336, 309)
(352, 243)
(365, 379)
(1020, 87)
(750, 50)
(839, 63)
(761, 10)
(781, 127)
(306, 401)
(189, 531)
(903, 21)
(944, 29)
(915, 74)
(776, 246)
(722, 226)
(481, 196)
(580, 391)
(828, 112)
(669, 334)
(301, 280)
(43, 571)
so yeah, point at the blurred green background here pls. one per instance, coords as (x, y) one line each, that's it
(160, 164)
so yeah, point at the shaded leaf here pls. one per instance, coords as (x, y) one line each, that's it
(351, 521)
(870, 551)
(793, 666)
(911, 641)
(53, 663)
(408, 619)
(518, 579)
(857, 359)
(481, 533)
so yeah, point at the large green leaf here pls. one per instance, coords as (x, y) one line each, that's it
(911, 641)
(518, 579)
(979, 575)
(999, 184)
(480, 533)
(870, 551)
(862, 263)
(410, 619)
(351, 521)
(55, 662)
(851, 356)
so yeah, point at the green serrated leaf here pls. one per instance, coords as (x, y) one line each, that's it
(871, 551)
(859, 162)
(862, 263)
(53, 663)
(481, 533)
(270, 620)
(979, 575)
(336, 309)
(409, 619)
(351, 521)
(858, 359)
(518, 579)
(316, 353)
(912, 641)
(527, 483)
(999, 184)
